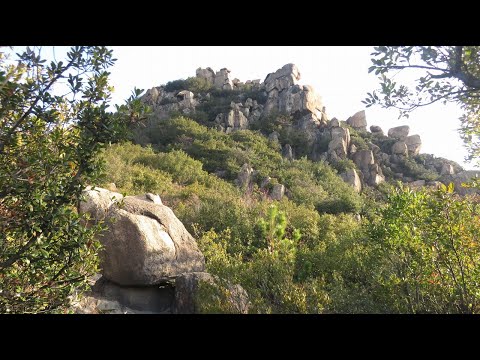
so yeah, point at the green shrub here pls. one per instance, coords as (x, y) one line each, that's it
(176, 85)
(428, 245)
(417, 171)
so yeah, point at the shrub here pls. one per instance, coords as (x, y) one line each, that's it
(176, 85)
(428, 241)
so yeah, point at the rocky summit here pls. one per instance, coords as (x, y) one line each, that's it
(217, 100)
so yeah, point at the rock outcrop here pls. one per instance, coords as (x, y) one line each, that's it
(358, 121)
(414, 144)
(399, 132)
(282, 99)
(145, 243)
(351, 177)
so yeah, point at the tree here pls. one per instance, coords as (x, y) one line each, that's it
(448, 74)
(48, 153)
(430, 246)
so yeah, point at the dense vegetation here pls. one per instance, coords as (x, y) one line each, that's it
(49, 147)
(324, 248)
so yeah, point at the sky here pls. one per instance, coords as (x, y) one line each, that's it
(339, 74)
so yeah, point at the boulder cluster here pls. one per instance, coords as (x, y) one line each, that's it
(330, 140)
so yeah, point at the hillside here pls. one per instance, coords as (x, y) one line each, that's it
(281, 198)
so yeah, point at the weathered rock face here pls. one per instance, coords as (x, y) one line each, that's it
(363, 159)
(222, 80)
(98, 201)
(340, 143)
(107, 297)
(358, 121)
(334, 123)
(414, 144)
(399, 132)
(208, 74)
(375, 176)
(155, 198)
(351, 177)
(285, 96)
(283, 78)
(376, 130)
(187, 299)
(145, 243)
(278, 191)
(400, 148)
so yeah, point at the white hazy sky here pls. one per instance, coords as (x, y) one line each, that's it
(339, 74)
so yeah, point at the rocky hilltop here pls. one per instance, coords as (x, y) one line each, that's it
(281, 104)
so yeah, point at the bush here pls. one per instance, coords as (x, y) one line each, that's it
(176, 85)
(413, 169)
(428, 243)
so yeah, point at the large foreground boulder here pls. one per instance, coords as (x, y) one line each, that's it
(145, 243)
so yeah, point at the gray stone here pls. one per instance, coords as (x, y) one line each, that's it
(376, 129)
(447, 169)
(351, 177)
(353, 149)
(399, 148)
(283, 78)
(363, 159)
(155, 198)
(222, 80)
(97, 202)
(375, 176)
(207, 74)
(399, 132)
(337, 148)
(278, 192)
(414, 144)
(287, 152)
(237, 120)
(376, 149)
(358, 121)
(334, 123)
(185, 95)
(188, 301)
(109, 307)
(151, 95)
(152, 299)
(285, 96)
(340, 142)
(144, 243)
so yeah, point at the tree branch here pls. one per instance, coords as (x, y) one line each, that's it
(39, 96)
